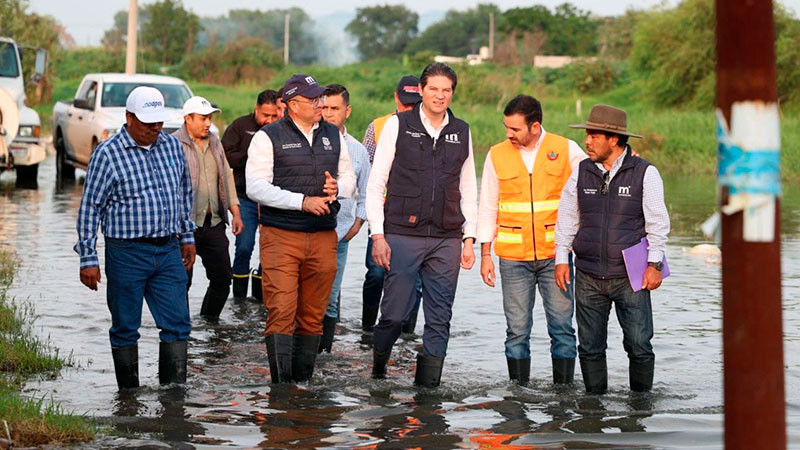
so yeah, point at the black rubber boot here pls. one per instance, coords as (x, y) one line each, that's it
(519, 370)
(172, 362)
(213, 303)
(328, 330)
(126, 366)
(368, 317)
(240, 283)
(256, 289)
(563, 370)
(379, 361)
(641, 375)
(279, 353)
(304, 355)
(429, 371)
(595, 376)
(411, 324)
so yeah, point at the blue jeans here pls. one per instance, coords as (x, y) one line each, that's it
(134, 271)
(246, 240)
(519, 280)
(593, 297)
(341, 260)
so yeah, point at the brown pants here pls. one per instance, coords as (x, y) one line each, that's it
(298, 269)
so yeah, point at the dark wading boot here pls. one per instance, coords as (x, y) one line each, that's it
(126, 366)
(172, 362)
(519, 370)
(641, 375)
(379, 361)
(304, 356)
(240, 283)
(595, 376)
(369, 315)
(213, 303)
(279, 353)
(256, 288)
(328, 330)
(563, 370)
(429, 371)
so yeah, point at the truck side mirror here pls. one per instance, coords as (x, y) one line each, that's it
(40, 65)
(81, 103)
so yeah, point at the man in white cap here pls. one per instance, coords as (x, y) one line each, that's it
(214, 195)
(138, 189)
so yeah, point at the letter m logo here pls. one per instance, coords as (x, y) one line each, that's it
(625, 190)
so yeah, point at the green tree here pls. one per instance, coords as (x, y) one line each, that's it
(170, 32)
(459, 33)
(569, 29)
(616, 35)
(383, 31)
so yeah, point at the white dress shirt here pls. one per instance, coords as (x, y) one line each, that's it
(490, 186)
(259, 173)
(382, 165)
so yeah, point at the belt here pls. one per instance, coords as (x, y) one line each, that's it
(157, 241)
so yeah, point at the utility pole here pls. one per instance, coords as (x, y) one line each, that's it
(133, 26)
(491, 35)
(749, 164)
(286, 39)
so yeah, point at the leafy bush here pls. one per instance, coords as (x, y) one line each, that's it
(592, 75)
(243, 60)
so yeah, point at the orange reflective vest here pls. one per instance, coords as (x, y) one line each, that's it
(528, 202)
(379, 123)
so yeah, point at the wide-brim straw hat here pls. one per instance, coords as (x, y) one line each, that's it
(607, 118)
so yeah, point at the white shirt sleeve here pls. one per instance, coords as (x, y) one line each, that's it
(259, 175)
(347, 176)
(379, 174)
(656, 216)
(568, 219)
(490, 196)
(576, 155)
(469, 194)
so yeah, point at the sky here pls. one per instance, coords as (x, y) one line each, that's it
(86, 20)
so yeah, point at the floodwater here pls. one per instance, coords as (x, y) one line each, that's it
(228, 401)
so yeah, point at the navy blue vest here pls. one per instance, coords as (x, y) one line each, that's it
(609, 222)
(423, 196)
(300, 167)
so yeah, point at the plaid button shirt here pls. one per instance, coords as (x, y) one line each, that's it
(135, 192)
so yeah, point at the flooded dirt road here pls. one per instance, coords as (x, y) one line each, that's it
(228, 401)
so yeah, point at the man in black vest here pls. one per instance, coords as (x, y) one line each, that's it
(292, 170)
(425, 165)
(610, 203)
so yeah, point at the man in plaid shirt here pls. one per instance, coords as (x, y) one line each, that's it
(138, 189)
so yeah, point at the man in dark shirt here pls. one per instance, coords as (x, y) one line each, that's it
(236, 142)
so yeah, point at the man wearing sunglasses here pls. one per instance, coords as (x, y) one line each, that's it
(296, 169)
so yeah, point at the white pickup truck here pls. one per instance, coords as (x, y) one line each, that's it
(98, 112)
(21, 148)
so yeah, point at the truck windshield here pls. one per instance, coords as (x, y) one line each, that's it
(8, 60)
(115, 94)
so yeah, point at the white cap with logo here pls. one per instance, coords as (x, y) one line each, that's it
(198, 105)
(147, 104)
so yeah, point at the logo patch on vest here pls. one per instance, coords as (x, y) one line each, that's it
(589, 191)
(326, 143)
(291, 145)
(414, 134)
(624, 191)
(552, 156)
(412, 219)
(452, 138)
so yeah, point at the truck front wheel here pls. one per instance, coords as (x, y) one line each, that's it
(64, 170)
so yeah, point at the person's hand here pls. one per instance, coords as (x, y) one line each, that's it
(90, 277)
(331, 188)
(487, 270)
(353, 231)
(381, 252)
(562, 276)
(237, 225)
(316, 205)
(652, 279)
(468, 254)
(188, 253)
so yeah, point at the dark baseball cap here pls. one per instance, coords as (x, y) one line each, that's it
(302, 84)
(408, 90)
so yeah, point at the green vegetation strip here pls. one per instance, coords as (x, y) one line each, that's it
(29, 421)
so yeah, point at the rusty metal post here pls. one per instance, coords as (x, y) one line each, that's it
(751, 271)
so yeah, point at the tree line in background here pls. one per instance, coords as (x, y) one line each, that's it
(669, 52)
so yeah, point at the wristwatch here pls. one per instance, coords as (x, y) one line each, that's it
(657, 265)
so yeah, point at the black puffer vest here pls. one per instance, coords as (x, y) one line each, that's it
(609, 222)
(423, 197)
(300, 167)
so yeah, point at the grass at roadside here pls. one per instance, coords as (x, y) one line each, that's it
(31, 421)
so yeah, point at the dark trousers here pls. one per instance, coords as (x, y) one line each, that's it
(593, 299)
(212, 249)
(437, 262)
(373, 286)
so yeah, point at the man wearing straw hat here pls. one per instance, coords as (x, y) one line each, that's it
(610, 203)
